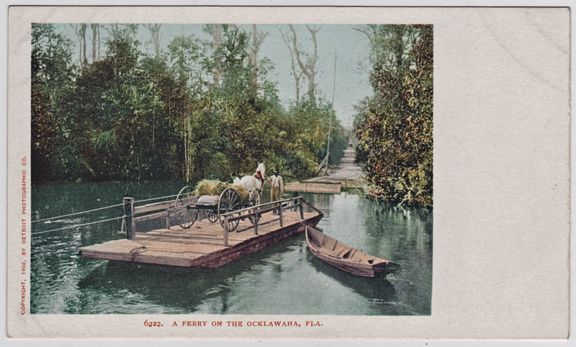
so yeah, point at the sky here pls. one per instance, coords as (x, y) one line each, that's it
(350, 46)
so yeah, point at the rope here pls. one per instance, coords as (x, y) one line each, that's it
(159, 198)
(300, 217)
(99, 209)
(155, 203)
(77, 225)
(93, 210)
(77, 213)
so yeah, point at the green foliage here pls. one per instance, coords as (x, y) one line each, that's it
(52, 74)
(310, 121)
(394, 126)
(129, 116)
(117, 109)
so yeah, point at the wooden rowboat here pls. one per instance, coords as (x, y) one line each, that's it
(347, 258)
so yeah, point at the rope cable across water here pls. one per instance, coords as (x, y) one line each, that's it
(158, 198)
(90, 211)
(78, 225)
(77, 213)
(99, 209)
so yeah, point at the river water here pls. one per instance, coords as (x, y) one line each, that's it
(284, 279)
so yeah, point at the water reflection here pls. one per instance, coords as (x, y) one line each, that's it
(183, 290)
(323, 202)
(403, 235)
(175, 290)
(370, 288)
(284, 279)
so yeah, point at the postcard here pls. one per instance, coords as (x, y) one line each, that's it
(288, 172)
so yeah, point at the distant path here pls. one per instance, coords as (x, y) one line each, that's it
(348, 173)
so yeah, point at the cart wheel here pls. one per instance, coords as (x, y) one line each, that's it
(185, 214)
(254, 218)
(212, 215)
(254, 198)
(229, 201)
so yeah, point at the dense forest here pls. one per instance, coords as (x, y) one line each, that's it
(394, 125)
(208, 108)
(196, 109)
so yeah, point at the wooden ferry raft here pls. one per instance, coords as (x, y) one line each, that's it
(314, 187)
(208, 244)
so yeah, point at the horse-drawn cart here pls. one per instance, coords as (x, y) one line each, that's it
(189, 205)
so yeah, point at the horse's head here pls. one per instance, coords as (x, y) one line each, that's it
(261, 172)
(262, 169)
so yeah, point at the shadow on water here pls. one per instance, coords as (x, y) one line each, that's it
(370, 288)
(180, 289)
(183, 290)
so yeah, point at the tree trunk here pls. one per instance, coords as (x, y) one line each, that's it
(216, 46)
(94, 42)
(83, 28)
(76, 28)
(311, 64)
(297, 74)
(98, 42)
(254, 59)
(311, 86)
(155, 37)
(257, 39)
(186, 164)
(307, 67)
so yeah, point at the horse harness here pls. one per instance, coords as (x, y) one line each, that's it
(258, 175)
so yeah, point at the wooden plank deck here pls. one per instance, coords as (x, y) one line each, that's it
(202, 245)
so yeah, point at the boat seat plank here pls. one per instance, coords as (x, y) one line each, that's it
(343, 252)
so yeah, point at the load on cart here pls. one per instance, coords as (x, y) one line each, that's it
(216, 198)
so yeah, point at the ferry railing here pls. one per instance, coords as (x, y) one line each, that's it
(257, 210)
(135, 214)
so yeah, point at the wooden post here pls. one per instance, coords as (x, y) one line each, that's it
(132, 217)
(301, 207)
(280, 214)
(168, 218)
(129, 221)
(257, 220)
(225, 231)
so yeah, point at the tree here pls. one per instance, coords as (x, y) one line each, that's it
(216, 30)
(155, 37)
(82, 33)
(52, 74)
(186, 56)
(394, 127)
(257, 40)
(307, 66)
(95, 41)
(296, 72)
(201, 110)
(114, 111)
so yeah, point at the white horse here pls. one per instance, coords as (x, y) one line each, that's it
(253, 184)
